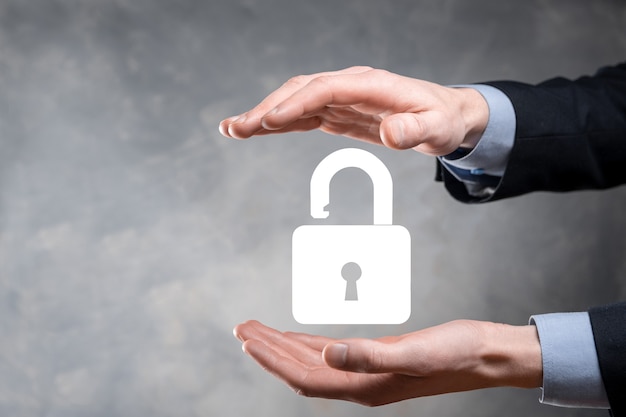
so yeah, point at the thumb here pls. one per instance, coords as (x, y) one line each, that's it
(363, 355)
(426, 131)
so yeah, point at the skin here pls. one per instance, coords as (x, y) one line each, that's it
(372, 105)
(457, 356)
(399, 112)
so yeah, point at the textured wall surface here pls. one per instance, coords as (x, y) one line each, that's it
(133, 237)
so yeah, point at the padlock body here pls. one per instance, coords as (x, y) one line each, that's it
(383, 253)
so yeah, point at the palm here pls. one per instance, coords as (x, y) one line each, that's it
(422, 368)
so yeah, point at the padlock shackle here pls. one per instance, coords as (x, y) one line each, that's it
(353, 158)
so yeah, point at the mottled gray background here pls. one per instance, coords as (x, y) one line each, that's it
(133, 237)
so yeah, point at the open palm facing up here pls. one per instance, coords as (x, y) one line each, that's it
(456, 356)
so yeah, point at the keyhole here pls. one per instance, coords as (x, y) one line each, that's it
(351, 272)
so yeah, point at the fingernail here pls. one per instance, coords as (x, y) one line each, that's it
(241, 119)
(397, 132)
(222, 131)
(336, 354)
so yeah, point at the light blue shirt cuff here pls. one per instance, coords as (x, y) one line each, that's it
(571, 373)
(491, 154)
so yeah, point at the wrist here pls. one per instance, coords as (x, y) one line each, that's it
(512, 356)
(475, 113)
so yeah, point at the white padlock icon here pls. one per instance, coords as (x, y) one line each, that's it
(351, 274)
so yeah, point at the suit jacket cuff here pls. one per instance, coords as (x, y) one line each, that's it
(610, 339)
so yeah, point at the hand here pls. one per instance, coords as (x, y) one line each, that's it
(371, 105)
(457, 356)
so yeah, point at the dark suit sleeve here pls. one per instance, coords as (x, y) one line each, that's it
(570, 135)
(608, 324)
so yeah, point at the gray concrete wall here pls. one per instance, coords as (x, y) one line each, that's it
(133, 237)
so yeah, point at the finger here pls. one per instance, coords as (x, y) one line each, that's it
(366, 356)
(336, 90)
(365, 129)
(428, 132)
(320, 381)
(293, 85)
(295, 373)
(291, 346)
(245, 125)
(225, 125)
(314, 341)
(280, 342)
(302, 125)
(251, 330)
(351, 123)
(335, 121)
(246, 330)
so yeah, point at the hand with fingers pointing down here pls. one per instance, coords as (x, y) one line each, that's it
(372, 105)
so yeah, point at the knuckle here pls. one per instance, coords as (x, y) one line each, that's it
(380, 73)
(297, 80)
(361, 68)
(419, 129)
(323, 84)
(376, 360)
(322, 79)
